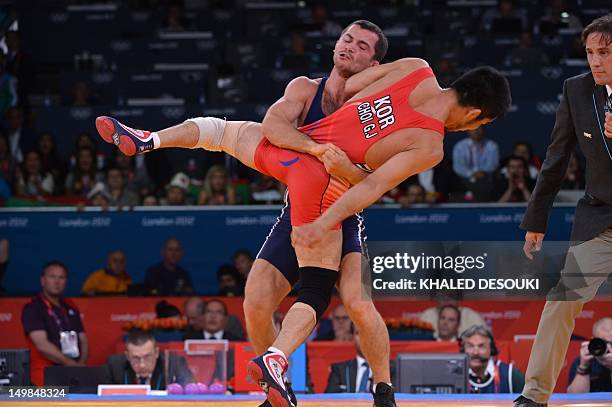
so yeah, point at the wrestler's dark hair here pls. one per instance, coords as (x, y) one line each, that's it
(601, 25)
(381, 46)
(484, 88)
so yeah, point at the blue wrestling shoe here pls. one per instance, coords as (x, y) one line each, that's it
(268, 372)
(130, 141)
(291, 396)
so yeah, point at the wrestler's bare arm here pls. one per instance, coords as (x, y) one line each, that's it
(425, 151)
(359, 82)
(280, 128)
(280, 124)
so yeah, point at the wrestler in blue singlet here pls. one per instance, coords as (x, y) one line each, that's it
(277, 248)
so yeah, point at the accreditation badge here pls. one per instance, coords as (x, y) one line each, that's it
(70, 344)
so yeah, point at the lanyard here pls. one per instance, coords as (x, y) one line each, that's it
(53, 314)
(476, 154)
(601, 129)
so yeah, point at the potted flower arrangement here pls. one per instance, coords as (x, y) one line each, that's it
(409, 329)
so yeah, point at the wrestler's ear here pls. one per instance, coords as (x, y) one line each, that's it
(374, 63)
(472, 113)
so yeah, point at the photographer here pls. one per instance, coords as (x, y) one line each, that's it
(590, 372)
(517, 185)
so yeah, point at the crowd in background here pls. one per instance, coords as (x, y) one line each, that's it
(33, 172)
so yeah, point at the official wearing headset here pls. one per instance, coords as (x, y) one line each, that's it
(488, 375)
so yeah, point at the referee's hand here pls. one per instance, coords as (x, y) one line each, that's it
(533, 243)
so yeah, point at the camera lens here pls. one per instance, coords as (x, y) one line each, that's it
(598, 347)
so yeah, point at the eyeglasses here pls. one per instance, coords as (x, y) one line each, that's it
(146, 359)
(341, 318)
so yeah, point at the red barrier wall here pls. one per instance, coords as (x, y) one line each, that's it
(104, 318)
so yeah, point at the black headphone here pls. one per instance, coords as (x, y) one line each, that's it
(478, 330)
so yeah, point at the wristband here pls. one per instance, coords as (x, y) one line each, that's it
(583, 371)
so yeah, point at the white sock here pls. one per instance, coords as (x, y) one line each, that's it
(275, 350)
(156, 141)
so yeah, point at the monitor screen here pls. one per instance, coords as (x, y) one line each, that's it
(14, 367)
(80, 379)
(432, 373)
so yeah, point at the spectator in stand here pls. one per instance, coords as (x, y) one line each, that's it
(50, 160)
(85, 140)
(176, 190)
(505, 19)
(342, 327)
(321, 22)
(7, 165)
(296, 56)
(8, 87)
(99, 196)
(84, 175)
(150, 200)
(30, 181)
(574, 175)
(215, 322)
(18, 64)
(81, 96)
(53, 325)
(230, 281)
(20, 138)
(163, 309)
(243, 261)
(526, 53)
(110, 280)
(135, 175)
(266, 190)
(415, 194)
(174, 19)
(590, 373)
(449, 318)
(558, 17)
(468, 317)
(167, 277)
(524, 150)
(475, 160)
(516, 186)
(217, 188)
(194, 311)
(120, 196)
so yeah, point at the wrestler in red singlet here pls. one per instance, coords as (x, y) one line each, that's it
(354, 128)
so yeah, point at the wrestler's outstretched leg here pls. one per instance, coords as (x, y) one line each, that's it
(236, 138)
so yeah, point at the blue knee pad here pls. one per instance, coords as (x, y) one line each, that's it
(317, 285)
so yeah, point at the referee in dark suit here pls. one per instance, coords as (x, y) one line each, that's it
(583, 118)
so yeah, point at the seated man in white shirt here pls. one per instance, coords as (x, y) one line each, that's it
(211, 320)
(449, 318)
(215, 321)
(351, 376)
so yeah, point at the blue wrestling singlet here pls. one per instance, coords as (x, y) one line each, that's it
(277, 248)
